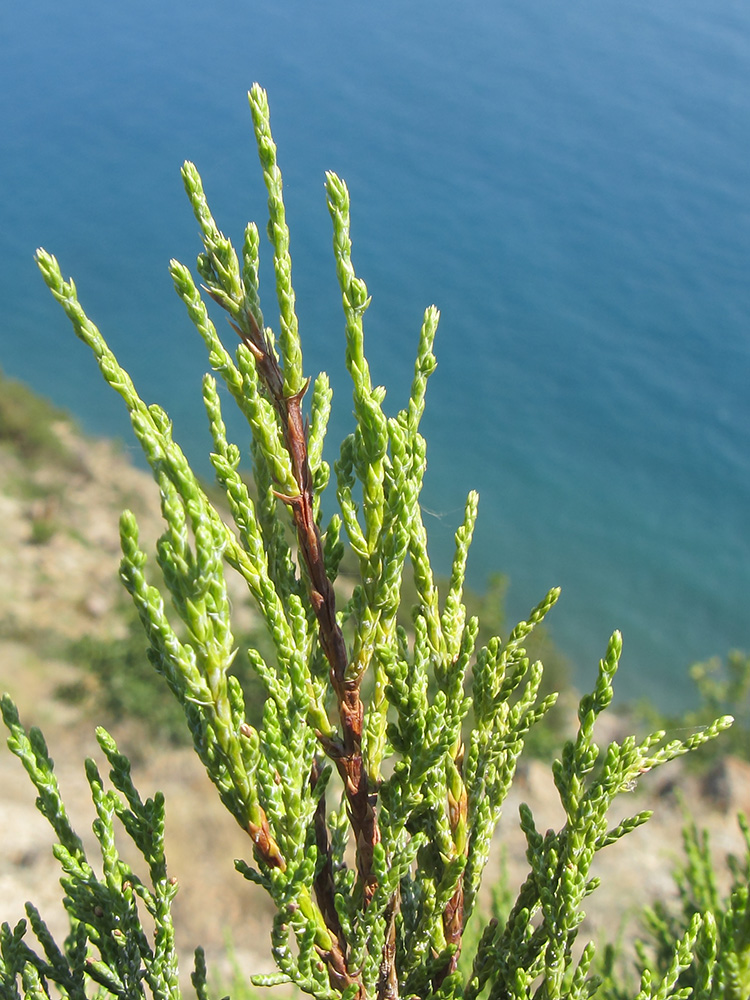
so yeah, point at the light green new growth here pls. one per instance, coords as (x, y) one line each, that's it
(372, 788)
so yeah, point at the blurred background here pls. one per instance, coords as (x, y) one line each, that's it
(570, 184)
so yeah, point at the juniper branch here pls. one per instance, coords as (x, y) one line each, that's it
(346, 689)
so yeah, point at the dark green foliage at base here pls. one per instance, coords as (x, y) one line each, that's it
(121, 939)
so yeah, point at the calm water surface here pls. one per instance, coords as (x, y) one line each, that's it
(569, 183)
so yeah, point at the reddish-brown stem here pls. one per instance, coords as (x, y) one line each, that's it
(325, 889)
(264, 843)
(335, 958)
(453, 914)
(453, 925)
(388, 977)
(345, 750)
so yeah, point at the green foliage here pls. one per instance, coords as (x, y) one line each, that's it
(107, 945)
(369, 800)
(125, 685)
(236, 984)
(119, 683)
(43, 529)
(723, 687)
(27, 424)
(587, 781)
(720, 966)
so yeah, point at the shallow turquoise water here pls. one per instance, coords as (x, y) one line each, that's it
(571, 186)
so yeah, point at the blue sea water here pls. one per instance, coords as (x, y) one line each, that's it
(569, 183)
